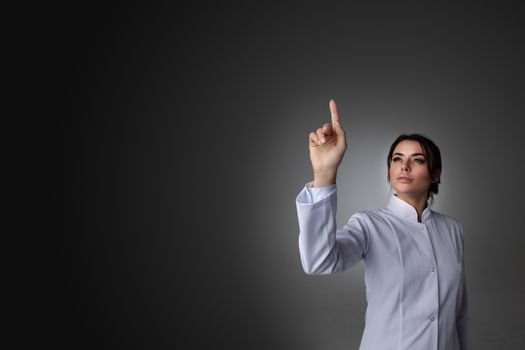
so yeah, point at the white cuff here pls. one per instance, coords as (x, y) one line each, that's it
(311, 194)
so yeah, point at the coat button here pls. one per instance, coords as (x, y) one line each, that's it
(433, 269)
(432, 319)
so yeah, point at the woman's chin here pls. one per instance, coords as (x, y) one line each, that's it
(410, 193)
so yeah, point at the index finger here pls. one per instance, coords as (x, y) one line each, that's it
(334, 113)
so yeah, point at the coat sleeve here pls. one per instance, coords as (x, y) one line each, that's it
(323, 248)
(462, 317)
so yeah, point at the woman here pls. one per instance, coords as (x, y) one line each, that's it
(413, 256)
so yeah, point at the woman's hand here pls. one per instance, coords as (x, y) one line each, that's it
(327, 147)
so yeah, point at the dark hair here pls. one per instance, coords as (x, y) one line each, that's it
(433, 158)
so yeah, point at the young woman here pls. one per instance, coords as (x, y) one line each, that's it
(413, 256)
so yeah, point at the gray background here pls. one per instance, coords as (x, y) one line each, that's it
(182, 144)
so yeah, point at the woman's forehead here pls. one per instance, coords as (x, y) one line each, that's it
(409, 147)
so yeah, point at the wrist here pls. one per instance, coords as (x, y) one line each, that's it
(324, 179)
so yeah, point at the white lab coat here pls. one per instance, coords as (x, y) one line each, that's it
(414, 272)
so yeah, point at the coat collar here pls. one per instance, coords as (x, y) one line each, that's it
(402, 209)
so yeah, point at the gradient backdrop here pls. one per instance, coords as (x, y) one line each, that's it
(182, 145)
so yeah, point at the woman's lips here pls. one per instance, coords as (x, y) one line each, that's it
(404, 179)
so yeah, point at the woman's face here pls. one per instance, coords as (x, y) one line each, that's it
(409, 175)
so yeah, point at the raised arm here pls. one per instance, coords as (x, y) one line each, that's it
(323, 248)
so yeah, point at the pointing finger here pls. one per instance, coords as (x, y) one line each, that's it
(334, 113)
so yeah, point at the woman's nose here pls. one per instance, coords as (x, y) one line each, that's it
(405, 166)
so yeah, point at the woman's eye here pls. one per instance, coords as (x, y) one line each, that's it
(395, 159)
(419, 161)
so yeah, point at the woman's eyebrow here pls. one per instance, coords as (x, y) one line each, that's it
(415, 154)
